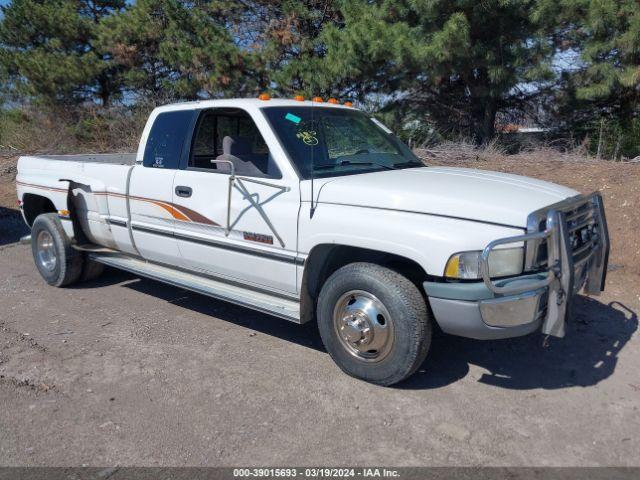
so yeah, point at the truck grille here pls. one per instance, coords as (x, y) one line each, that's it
(582, 226)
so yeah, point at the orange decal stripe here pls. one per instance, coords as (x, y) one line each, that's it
(178, 212)
(174, 212)
(194, 216)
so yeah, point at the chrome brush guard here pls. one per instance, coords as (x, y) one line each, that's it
(577, 245)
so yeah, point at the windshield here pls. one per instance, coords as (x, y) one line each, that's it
(326, 142)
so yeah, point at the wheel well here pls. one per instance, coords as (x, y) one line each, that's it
(324, 260)
(34, 205)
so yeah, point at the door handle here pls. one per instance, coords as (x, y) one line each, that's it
(183, 191)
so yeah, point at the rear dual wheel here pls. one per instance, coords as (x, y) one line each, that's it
(374, 323)
(55, 258)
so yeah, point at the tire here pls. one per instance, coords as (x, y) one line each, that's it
(91, 269)
(374, 323)
(58, 263)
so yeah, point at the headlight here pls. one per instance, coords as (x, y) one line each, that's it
(502, 263)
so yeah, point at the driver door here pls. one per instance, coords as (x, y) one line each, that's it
(241, 228)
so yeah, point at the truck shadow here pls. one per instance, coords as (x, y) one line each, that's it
(587, 355)
(12, 227)
(305, 335)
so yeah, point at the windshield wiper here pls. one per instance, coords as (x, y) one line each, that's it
(410, 163)
(343, 163)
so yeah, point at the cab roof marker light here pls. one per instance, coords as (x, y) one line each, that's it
(264, 96)
(348, 104)
(317, 99)
(299, 98)
(333, 101)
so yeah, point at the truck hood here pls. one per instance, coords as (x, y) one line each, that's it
(456, 192)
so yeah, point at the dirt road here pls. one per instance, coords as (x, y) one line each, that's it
(131, 372)
(126, 371)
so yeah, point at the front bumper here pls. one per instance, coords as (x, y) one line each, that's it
(472, 310)
(520, 305)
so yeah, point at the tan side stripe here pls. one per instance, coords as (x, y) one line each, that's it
(54, 189)
(178, 212)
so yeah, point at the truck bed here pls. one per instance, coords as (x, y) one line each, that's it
(111, 158)
(99, 191)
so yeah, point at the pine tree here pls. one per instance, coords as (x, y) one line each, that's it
(172, 49)
(48, 51)
(601, 96)
(455, 62)
(283, 42)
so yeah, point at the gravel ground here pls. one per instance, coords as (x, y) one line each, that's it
(127, 371)
(131, 372)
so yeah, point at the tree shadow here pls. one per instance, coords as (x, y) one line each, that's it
(12, 226)
(587, 354)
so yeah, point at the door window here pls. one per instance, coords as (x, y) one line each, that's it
(231, 135)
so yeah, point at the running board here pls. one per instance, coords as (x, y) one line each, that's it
(288, 309)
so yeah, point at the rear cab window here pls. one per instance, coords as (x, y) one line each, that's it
(169, 139)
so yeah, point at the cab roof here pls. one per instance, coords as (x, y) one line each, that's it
(247, 103)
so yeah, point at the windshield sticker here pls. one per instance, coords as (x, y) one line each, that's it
(381, 125)
(292, 118)
(308, 137)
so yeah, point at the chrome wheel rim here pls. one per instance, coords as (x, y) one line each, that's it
(46, 251)
(363, 326)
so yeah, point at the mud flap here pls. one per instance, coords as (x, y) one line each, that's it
(561, 288)
(78, 234)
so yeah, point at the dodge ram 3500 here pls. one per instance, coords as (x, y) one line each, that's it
(315, 211)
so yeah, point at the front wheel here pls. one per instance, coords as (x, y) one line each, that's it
(374, 323)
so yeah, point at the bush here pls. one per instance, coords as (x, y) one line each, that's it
(88, 129)
(612, 140)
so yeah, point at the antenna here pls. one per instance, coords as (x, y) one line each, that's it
(312, 209)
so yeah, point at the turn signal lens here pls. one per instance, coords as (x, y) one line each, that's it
(317, 99)
(453, 267)
(333, 100)
(348, 104)
(463, 265)
(64, 213)
(299, 98)
(264, 96)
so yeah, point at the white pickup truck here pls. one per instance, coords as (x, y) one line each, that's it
(309, 210)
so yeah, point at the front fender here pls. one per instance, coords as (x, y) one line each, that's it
(427, 239)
